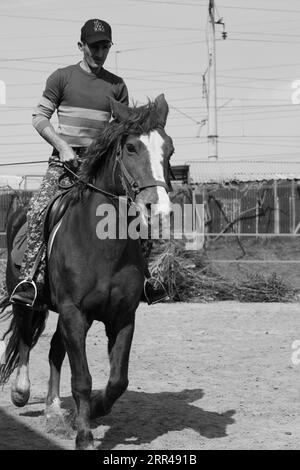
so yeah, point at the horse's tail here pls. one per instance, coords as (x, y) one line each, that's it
(14, 334)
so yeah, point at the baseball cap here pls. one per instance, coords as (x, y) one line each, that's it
(95, 30)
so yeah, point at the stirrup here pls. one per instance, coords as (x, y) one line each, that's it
(22, 300)
(154, 294)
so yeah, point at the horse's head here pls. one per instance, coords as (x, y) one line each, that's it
(144, 153)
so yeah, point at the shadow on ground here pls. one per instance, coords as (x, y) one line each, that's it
(140, 417)
(15, 435)
(137, 418)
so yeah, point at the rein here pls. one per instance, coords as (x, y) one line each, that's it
(130, 185)
(89, 185)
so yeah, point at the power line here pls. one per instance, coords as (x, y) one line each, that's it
(256, 119)
(238, 107)
(234, 85)
(39, 18)
(11, 124)
(159, 47)
(254, 112)
(262, 136)
(256, 67)
(261, 9)
(255, 33)
(22, 143)
(23, 163)
(14, 108)
(262, 40)
(259, 144)
(171, 3)
(129, 25)
(26, 69)
(256, 78)
(23, 59)
(119, 51)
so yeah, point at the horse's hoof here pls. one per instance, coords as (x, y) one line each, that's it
(85, 441)
(89, 447)
(20, 397)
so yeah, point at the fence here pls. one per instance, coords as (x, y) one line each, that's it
(252, 208)
(259, 209)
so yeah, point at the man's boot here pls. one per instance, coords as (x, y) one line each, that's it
(24, 293)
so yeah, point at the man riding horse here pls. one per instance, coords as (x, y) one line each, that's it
(81, 95)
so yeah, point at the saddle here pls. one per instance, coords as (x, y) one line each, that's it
(54, 213)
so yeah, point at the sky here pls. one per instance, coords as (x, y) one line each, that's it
(161, 47)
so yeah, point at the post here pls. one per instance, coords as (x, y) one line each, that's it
(276, 209)
(256, 219)
(293, 208)
(212, 86)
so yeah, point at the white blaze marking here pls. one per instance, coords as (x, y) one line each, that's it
(154, 143)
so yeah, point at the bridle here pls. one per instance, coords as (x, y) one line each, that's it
(131, 186)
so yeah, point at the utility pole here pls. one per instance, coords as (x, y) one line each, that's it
(212, 86)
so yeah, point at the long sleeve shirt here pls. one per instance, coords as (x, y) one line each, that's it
(81, 100)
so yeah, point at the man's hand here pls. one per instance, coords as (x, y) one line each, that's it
(67, 153)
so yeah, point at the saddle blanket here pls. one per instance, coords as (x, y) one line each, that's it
(20, 243)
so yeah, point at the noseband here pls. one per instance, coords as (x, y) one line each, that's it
(131, 186)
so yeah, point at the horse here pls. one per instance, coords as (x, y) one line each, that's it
(92, 278)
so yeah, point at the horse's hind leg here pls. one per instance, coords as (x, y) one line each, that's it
(20, 390)
(119, 344)
(74, 327)
(28, 325)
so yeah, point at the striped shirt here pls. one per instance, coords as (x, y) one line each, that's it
(82, 103)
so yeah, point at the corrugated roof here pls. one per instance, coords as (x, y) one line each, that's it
(226, 171)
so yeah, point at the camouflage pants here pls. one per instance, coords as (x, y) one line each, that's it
(35, 218)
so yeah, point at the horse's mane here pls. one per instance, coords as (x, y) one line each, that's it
(141, 120)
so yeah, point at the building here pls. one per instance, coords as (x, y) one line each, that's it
(259, 197)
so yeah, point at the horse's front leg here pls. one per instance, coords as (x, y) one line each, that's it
(119, 344)
(54, 414)
(74, 327)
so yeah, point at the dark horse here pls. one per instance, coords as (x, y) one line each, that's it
(90, 278)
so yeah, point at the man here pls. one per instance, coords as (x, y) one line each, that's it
(80, 95)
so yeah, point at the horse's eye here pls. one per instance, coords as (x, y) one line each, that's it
(130, 148)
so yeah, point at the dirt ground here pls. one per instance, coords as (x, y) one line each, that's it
(202, 376)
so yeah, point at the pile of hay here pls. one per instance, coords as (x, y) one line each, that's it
(190, 277)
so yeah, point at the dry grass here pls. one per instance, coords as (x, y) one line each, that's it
(193, 276)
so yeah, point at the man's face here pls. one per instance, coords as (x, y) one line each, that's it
(95, 54)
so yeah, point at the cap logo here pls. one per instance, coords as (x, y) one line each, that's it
(98, 26)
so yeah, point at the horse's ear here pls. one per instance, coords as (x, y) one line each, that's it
(119, 111)
(163, 108)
